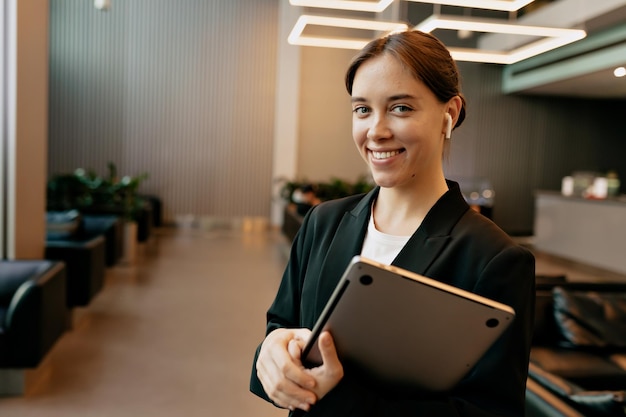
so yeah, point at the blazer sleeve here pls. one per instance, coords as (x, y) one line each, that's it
(496, 385)
(285, 310)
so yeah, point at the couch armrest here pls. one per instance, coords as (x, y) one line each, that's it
(37, 316)
(541, 402)
(85, 267)
(550, 393)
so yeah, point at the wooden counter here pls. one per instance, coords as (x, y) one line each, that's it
(583, 230)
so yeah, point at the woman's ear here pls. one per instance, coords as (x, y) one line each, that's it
(448, 126)
(453, 108)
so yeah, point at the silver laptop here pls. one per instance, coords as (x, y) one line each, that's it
(403, 328)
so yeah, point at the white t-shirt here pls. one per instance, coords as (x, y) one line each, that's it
(381, 247)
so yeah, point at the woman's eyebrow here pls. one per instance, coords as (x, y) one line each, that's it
(401, 97)
(391, 98)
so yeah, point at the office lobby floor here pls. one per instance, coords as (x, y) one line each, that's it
(175, 334)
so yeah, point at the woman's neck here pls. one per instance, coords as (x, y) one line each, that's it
(400, 211)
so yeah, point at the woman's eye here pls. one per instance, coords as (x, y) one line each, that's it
(401, 109)
(360, 110)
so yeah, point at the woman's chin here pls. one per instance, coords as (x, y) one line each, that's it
(384, 182)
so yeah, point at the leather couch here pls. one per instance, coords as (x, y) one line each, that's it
(87, 243)
(85, 263)
(73, 226)
(578, 357)
(144, 218)
(109, 226)
(33, 311)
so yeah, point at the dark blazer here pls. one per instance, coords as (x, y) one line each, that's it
(455, 245)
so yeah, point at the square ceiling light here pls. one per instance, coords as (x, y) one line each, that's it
(296, 36)
(551, 38)
(361, 6)
(504, 5)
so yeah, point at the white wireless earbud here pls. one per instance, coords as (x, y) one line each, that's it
(448, 126)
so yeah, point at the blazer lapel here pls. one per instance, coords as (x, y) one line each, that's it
(434, 233)
(417, 255)
(347, 243)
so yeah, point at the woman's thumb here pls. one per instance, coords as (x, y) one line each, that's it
(327, 349)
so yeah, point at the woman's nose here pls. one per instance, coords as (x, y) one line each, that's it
(379, 129)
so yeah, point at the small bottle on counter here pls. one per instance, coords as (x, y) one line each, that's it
(567, 186)
(613, 183)
(599, 188)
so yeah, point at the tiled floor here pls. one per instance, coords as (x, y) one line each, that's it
(175, 335)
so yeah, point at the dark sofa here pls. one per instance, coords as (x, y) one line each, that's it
(143, 217)
(71, 225)
(33, 311)
(85, 261)
(109, 226)
(578, 357)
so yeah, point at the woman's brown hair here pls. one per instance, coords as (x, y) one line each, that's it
(424, 56)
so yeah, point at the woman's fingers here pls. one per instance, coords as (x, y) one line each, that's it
(329, 354)
(280, 371)
(295, 350)
(284, 392)
(329, 374)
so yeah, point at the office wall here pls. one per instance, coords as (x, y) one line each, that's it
(182, 90)
(325, 146)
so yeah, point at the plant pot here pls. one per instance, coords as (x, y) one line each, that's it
(129, 256)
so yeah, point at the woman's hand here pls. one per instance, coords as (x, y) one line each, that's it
(280, 370)
(327, 375)
(285, 380)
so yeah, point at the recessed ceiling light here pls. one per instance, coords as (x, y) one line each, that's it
(619, 72)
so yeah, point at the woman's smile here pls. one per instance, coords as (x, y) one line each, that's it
(383, 155)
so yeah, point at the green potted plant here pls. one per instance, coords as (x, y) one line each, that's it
(122, 194)
(87, 192)
(333, 189)
(300, 196)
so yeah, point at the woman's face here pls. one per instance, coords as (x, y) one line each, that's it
(398, 124)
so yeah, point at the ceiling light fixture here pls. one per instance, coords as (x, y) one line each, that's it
(504, 5)
(297, 38)
(552, 38)
(360, 6)
(620, 72)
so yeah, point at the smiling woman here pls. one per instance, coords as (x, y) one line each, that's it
(394, 129)
(402, 112)
(405, 101)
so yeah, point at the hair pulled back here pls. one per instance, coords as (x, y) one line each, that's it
(423, 55)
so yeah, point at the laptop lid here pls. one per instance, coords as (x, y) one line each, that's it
(404, 328)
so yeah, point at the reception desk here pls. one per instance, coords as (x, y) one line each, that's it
(592, 232)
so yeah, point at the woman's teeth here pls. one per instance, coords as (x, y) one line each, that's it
(384, 155)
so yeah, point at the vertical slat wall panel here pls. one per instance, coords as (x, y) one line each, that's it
(181, 90)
